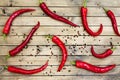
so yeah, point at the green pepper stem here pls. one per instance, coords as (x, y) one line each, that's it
(40, 1)
(5, 67)
(49, 36)
(73, 63)
(6, 58)
(85, 3)
(4, 36)
(106, 10)
(114, 48)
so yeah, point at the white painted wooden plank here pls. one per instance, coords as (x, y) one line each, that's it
(5, 3)
(66, 71)
(68, 40)
(49, 21)
(63, 11)
(54, 50)
(58, 30)
(34, 20)
(65, 3)
(55, 60)
(114, 77)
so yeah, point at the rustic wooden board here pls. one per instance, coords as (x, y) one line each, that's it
(66, 30)
(5, 3)
(68, 11)
(65, 3)
(68, 40)
(54, 50)
(71, 71)
(77, 41)
(49, 21)
(62, 78)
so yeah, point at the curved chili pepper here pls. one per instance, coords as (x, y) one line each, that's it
(103, 55)
(27, 72)
(85, 23)
(92, 68)
(16, 50)
(57, 41)
(46, 10)
(111, 15)
(6, 28)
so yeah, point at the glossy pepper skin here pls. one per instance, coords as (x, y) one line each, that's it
(111, 15)
(19, 48)
(57, 41)
(103, 55)
(8, 24)
(84, 11)
(92, 68)
(26, 72)
(46, 10)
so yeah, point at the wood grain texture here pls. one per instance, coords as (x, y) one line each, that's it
(37, 50)
(67, 69)
(77, 41)
(49, 21)
(68, 40)
(116, 77)
(65, 3)
(63, 11)
(5, 3)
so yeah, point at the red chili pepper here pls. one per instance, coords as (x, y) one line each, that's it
(57, 41)
(23, 71)
(46, 10)
(16, 50)
(85, 23)
(92, 68)
(6, 29)
(111, 15)
(103, 55)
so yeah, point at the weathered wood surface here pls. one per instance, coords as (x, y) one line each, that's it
(77, 41)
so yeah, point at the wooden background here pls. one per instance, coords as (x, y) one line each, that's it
(77, 41)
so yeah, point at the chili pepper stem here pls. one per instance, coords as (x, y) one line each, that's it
(106, 10)
(49, 36)
(4, 36)
(85, 3)
(5, 67)
(114, 48)
(73, 62)
(6, 58)
(40, 1)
